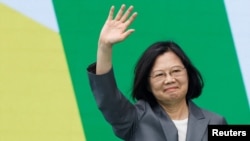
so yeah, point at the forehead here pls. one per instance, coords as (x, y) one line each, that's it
(166, 61)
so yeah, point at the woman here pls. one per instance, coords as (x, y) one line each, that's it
(164, 85)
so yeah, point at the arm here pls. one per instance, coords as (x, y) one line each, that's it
(117, 110)
(113, 31)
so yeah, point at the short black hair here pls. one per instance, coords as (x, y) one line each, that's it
(144, 66)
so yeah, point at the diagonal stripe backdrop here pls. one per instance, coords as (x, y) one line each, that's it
(45, 47)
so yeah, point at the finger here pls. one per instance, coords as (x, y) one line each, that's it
(131, 19)
(111, 13)
(119, 14)
(125, 16)
(127, 33)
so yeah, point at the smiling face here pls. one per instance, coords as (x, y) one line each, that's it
(168, 79)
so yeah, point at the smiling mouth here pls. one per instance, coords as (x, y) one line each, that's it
(170, 89)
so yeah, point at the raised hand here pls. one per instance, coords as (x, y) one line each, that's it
(115, 29)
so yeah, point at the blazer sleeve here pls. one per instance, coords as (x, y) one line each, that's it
(116, 109)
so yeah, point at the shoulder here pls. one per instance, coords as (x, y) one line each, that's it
(141, 106)
(211, 114)
(144, 109)
(213, 117)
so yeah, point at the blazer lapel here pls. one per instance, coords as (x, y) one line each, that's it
(168, 127)
(197, 123)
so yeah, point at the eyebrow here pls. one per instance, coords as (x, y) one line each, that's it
(169, 68)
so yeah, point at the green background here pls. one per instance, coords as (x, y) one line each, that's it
(200, 27)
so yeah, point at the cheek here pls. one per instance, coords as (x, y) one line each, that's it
(184, 84)
(154, 87)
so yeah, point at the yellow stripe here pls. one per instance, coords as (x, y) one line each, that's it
(37, 101)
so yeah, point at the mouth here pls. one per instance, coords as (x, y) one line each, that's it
(170, 89)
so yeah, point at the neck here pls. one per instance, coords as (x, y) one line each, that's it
(176, 111)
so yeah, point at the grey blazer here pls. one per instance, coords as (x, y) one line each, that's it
(140, 121)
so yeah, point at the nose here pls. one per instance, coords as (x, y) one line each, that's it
(169, 79)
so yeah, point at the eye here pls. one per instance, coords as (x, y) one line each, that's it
(158, 74)
(176, 70)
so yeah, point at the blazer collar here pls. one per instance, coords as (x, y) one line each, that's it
(168, 127)
(197, 123)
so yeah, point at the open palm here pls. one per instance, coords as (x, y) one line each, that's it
(115, 30)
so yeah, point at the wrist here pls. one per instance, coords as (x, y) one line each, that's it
(104, 45)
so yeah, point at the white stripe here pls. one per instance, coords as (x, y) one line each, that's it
(238, 12)
(41, 11)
